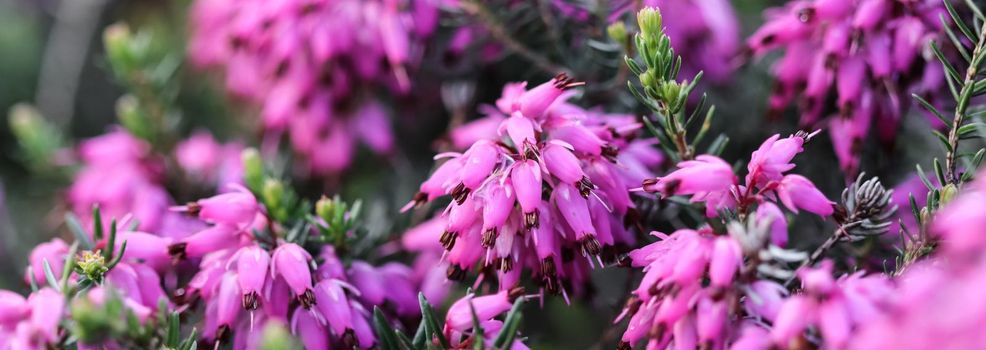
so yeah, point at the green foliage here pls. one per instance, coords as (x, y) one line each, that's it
(149, 74)
(38, 139)
(962, 125)
(660, 91)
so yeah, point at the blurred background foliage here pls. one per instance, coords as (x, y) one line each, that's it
(43, 42)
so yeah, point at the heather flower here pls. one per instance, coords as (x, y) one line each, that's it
(307, 70)
(31, 323)
(868, 53)
(835, 307)
(459, 319)
(123, 177)
(207, 161)
(246, 281)
(672, 304)
(290, 262)
(53, 252)
(711, 180)
(551, 169)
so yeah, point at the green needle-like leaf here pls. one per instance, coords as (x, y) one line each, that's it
(388, 341)
(433, 329)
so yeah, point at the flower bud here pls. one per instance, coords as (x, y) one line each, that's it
(617, 32)
(649, 20)
(253, 168)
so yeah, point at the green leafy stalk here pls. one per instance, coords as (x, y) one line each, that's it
(966, 93)
(661, 92)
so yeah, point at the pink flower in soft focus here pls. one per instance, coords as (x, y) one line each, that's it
(228, 303)
(725, 261)
(121, 177)
(960, 224)
(768, 211)
(459, 316)
(53, 251)
(13, 308)
(297, 62)
(145, 247)
(792, 318)
(333, 305)
(47, 309)
(865, 53)
(237, 208)
(208, 161)
(309, 330)
(764, 299)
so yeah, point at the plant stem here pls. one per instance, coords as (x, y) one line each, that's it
(962, 104)
(477, 9)
(821, 250)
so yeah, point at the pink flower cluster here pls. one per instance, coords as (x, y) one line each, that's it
(35, 324)
(870, 52)
(832, 309)
(307, 64)
(711, 180)
(459, 319)
(125, 178)
(122, 176)
(244, 282)
(735, 309)
(694, 279)
(937, 303)
(672, 304)
(542, 181)
(30, 323)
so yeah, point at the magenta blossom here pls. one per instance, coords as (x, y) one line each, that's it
(309, 74)
(547, 182)
(868, 53)
(711, 180)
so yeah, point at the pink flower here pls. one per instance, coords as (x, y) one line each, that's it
(773, 158)
(290, 262)
(792, 318)
(726, 258)
(525, 179)
(208, 240)
(499, 184)
(47, 311)
(459, 316)
(145, 247)
(797, 192)
(333, 305)
(863, 50)
(53, 252)
(249, 260)
(237, 208)
(769, 212)
(705, 174)
(13, 308)
(536, 101)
